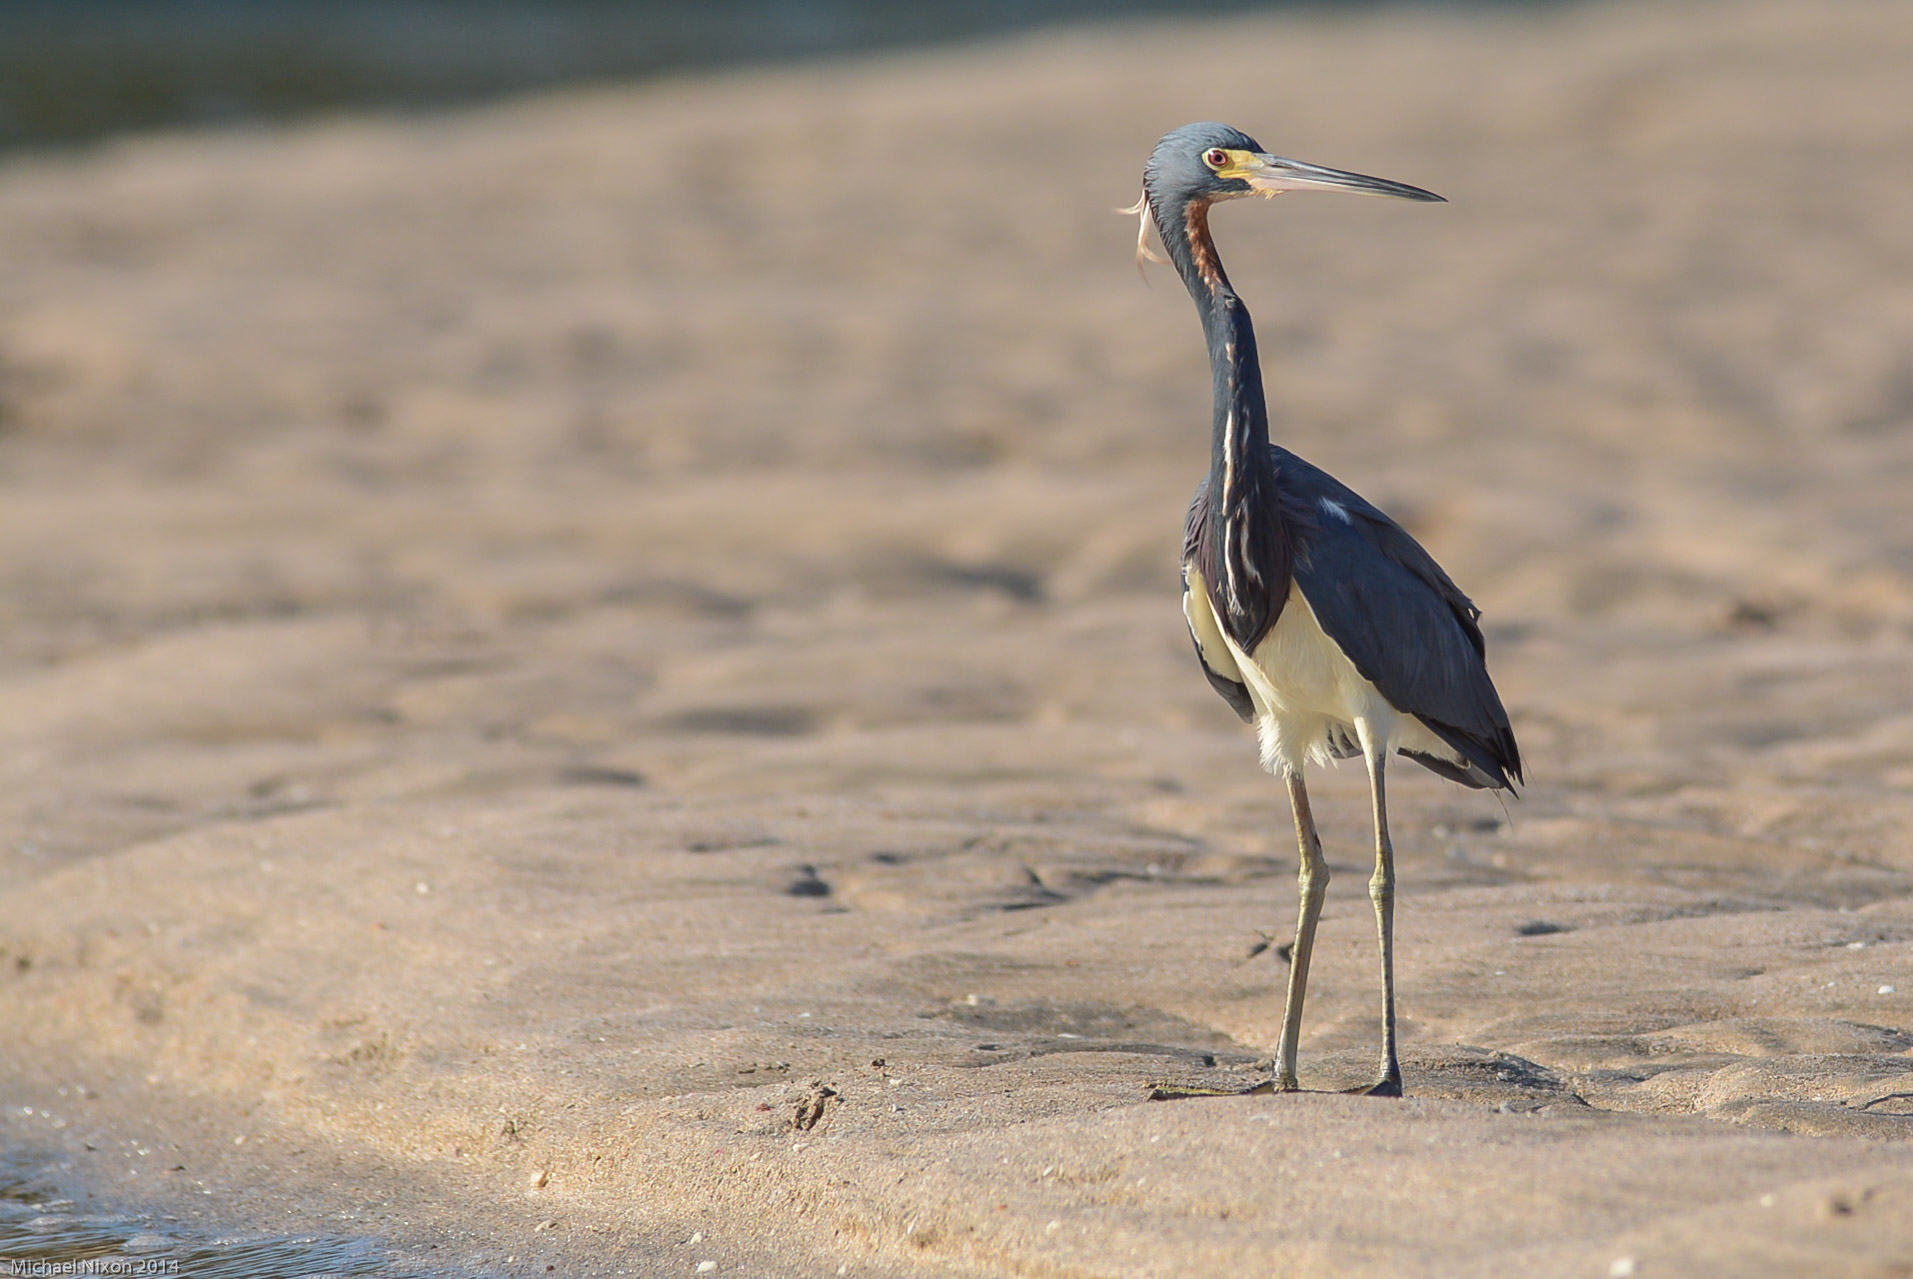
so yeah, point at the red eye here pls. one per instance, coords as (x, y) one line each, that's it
(1215, 157)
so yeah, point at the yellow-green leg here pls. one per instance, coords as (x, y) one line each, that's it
(1312, 880)
(1381, 891)
(1312, 884)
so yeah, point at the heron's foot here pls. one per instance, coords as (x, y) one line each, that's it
(1183, 1092)
(1386, 1086)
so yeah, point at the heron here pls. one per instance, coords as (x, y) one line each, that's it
(1314, 615)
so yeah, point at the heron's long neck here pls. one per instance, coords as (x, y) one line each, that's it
(1244, 546)
(1239, 449)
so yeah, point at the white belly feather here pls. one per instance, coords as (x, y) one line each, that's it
(1303, 687)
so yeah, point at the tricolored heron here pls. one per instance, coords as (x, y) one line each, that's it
(1317, 617)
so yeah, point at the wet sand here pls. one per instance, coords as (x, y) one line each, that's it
(606, 672)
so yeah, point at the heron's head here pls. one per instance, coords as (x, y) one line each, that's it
(1211, 162)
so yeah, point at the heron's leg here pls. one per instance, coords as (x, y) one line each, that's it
(1312, 881)
(1381, 891)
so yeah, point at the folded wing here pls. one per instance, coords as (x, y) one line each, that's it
(1401, 620)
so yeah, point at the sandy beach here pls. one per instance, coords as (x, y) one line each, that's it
(596, 685)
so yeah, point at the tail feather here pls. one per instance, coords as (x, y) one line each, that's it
(1492, 763)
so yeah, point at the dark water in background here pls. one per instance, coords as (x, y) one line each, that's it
(43, 1232)
(74, 70)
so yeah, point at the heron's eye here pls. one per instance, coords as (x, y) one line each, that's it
(1215, 157)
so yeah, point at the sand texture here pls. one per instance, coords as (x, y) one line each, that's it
(607, 671)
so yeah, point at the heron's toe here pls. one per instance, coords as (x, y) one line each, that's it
(1387, 1087)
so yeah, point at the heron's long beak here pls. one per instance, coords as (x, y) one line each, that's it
(1270, 174)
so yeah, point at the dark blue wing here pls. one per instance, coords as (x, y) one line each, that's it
(1400, 619)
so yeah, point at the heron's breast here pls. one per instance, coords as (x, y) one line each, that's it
(1297, 670)
(1306, 671)
(1301, 683)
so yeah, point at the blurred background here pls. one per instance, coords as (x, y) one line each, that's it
(71, 70)
(815, 397)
